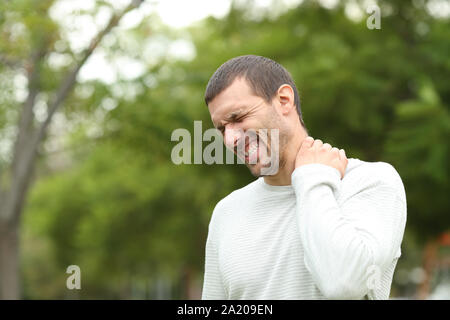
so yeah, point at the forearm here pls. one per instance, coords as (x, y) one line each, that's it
(339, 251)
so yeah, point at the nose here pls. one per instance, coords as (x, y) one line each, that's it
(232, 136)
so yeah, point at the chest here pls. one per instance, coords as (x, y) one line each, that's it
(261, 251)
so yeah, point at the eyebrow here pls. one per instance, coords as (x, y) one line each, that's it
(231, 117)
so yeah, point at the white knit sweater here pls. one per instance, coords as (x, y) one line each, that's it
(319, 238)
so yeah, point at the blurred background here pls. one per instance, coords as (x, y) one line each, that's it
(90, 92)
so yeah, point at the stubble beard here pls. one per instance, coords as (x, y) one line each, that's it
(256, 169)
(283, 142)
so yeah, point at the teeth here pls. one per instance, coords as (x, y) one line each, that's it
(251, 149)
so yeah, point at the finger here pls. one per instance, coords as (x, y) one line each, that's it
(307, 142)
(326, 146)
(342, 154)
(317, 143)
(335, 151)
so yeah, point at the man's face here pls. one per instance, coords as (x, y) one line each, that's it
(245, 121)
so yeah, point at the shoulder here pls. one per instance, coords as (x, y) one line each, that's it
(364, 174)
(379, 170)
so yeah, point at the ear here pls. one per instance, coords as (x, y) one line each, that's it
(285, 98)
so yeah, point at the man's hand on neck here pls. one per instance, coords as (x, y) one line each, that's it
(315, 151)
(283, 177)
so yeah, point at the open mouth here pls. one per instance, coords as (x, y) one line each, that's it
(250, 148)
(251, 152)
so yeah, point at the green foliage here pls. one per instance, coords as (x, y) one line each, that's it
(418, 146)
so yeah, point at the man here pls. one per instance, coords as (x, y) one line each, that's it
(321, 227)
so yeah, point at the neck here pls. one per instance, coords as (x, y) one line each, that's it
(283, 177)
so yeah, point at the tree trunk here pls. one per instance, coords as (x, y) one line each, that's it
(11, 207)
(13, 193)
(9, 262)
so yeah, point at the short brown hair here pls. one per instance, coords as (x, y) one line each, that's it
(264, 75)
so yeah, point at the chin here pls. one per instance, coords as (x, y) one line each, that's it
(256, 170)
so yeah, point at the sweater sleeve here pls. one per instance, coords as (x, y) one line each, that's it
(213, 288)
(346, 244)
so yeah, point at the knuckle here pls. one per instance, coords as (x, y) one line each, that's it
(317, 143)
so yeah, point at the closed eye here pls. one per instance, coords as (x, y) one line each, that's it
(221, 129)
(234, 119)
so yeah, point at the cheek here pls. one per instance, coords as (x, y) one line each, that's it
(258, 122)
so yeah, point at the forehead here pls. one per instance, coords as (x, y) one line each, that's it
(236, 97)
